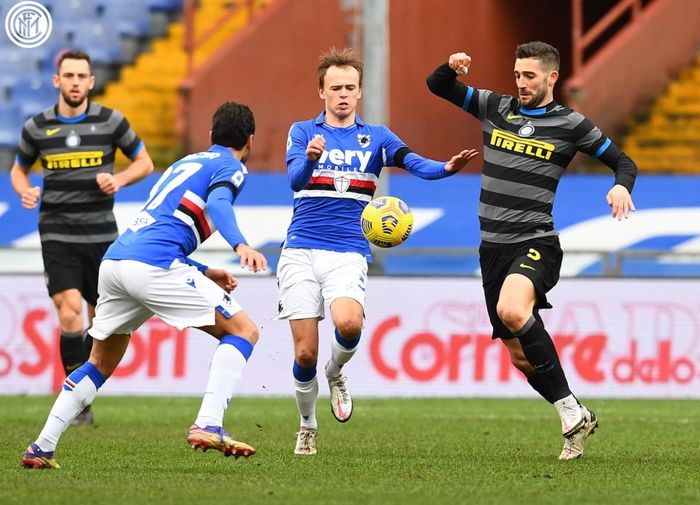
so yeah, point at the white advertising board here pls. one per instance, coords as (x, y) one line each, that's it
(422, 337)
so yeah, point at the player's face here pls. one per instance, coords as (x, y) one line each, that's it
(535, 83)
(341, 91)
(74, 81)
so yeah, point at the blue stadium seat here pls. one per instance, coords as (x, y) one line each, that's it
(164, 5)
(65, 12)
(130, 17)
(10, 125)
(16, 63)
(99, 40)
(33, 94)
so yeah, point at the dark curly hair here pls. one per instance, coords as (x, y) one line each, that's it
(232, 124)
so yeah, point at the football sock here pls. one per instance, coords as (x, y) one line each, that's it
(548, 379)
(341, 352)
(72, 349)
(225, 371)
(306, 393)
(78, 391)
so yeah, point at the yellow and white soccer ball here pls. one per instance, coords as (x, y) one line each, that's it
(387, 221)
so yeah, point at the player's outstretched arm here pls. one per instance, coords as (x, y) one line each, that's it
(459, 161)
(443, 81)
(620, 202)
(251, 258)
(460, 62)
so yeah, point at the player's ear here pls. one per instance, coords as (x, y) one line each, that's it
(210, 141)
(553, 76)
(250, 141)
(92, 82)
(321, 94)
(56, 80)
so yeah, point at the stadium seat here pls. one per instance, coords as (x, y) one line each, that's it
(65, 12)
(131, 17)
(98, 39)
(10, 125)
(33, 94)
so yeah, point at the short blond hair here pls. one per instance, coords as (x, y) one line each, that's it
(338, 58)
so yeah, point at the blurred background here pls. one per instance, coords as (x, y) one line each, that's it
(631, 66)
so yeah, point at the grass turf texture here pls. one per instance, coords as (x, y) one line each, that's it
(393, 451)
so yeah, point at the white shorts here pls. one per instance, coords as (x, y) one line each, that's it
(309, 277)
(130, 292)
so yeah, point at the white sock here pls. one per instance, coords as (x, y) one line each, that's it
(225, 372)
(339, 356)
(78, 391)
(306, 394)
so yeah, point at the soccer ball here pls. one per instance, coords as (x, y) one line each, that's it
(386, 221)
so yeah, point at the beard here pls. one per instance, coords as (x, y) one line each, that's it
(73, 103)
(536, 99)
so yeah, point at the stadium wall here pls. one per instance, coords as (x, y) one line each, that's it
(423, 337)
(271, 66)
(635, 67)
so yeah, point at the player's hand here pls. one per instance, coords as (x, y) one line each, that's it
(30, 197)
(108, 183)
(315, 147)
(223, 278)
(459, 62)
(251, 258)
(621, 202)
(459, 161)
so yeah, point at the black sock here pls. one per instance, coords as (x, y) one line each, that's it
(72, 351)
(548, 379)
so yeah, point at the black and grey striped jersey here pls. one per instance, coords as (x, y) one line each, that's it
(525, 154)
(72, 152)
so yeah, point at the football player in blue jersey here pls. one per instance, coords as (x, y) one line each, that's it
(147, 271)
(334, 162)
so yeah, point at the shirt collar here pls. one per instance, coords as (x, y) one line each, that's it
(321, 118)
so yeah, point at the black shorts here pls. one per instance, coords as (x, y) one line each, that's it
(73, 266)
(538, 259)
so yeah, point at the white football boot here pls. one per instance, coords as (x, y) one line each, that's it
(573, 444)
(341, 401)
(306, 441)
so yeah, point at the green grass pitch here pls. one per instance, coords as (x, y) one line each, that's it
(392, 451)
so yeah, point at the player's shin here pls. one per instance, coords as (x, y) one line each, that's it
(225, 371)
(306, 393)
(548, 379)
(342, 351)
(78, 391)
(72, 347)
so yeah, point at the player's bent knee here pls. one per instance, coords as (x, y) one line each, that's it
(306, 357)
(512, 316)
(349, 328)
